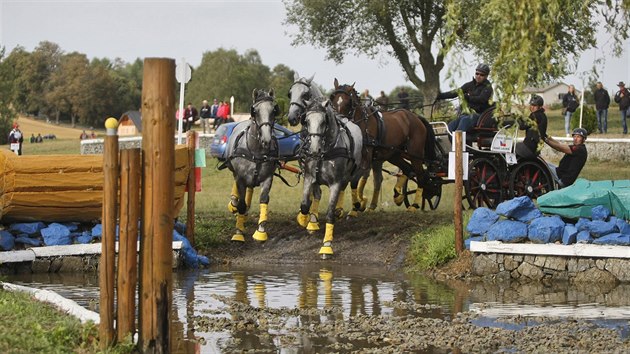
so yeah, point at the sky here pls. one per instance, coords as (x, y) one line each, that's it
(186, 29)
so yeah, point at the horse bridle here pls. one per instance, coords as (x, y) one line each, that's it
(353, 105)
(276, 111)
(301, 106)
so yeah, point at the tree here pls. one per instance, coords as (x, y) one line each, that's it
(409, 30)
(7, 114)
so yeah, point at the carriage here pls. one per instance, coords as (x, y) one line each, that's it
(494, 174)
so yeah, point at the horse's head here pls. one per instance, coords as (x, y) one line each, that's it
(317, 124)
(345, 99)
(263, 115)
(299, 93)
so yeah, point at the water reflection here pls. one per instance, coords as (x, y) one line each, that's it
(271, 309)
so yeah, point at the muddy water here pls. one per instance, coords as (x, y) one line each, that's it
(355, 308)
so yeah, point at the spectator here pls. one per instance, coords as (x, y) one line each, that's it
(602, 102)
(40, 139)
(205, 112)
(366, 98)
(83, 135)
(32, 138)
(573, 161)
(93, 135)
(190, 117)
(223, 112)
(403, 98)
(623, 98)
(570, 103)
(477, 95)
(535, 129)
(382, 101)
(15, 139)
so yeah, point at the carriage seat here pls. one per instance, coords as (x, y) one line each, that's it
(485, 129)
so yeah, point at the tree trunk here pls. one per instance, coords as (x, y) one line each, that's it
(57, 117)
(73, 119)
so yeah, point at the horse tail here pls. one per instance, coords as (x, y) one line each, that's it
(429, 142)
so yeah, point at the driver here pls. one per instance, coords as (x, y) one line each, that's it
(535, 129)
(574, 159)
(477, 94)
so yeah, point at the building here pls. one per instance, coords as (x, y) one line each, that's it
(130, 123)
(553, 93)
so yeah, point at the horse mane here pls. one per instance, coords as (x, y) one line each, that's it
(353, 92)
(263, 96)
(316, 105)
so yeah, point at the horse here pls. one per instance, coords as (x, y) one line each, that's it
(302, 90)
(330, 157)
(252, 156)
(399, 137)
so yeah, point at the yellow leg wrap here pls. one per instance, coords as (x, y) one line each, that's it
(328, 236)
(353, 214)
(314, 207)
(240, 222)
(248, 196)
(355, 196)
(234, 192)
(361, 186)
(302, 219)
(261, 235)
(418, 198)
(313, 224)
(398, 196)
(232, 205)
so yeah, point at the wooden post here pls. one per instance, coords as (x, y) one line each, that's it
(457, 199)
(158, 150)
(192, 187)
(108, 243)
(130, 166)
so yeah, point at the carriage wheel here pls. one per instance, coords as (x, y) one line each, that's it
(484, 185)
(431, 194)
(530, 179)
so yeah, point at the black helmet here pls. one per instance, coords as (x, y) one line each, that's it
(581, 132)
(536, 101)
(483, 68)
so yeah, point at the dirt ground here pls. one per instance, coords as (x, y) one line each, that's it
(29, 125)
(374, 238)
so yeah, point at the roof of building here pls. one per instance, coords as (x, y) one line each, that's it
(546, 88)
(135, 117)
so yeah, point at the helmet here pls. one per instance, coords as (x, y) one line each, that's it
(536, 101)
(483, 68)
(581, 132)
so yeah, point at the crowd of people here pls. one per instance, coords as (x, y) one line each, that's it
(215, 115)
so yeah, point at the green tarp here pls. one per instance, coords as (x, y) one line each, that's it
(578, 199)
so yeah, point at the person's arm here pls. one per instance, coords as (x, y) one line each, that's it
(565, 100)
(556, 145)
(542, 126)
(606, 99)
(446, 95)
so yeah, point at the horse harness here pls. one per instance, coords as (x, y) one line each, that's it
(366, 112)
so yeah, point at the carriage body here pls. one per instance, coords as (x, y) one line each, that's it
(493, 175)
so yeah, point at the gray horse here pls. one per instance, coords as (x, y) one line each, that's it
(252, 156)
(330, 157)
(302, 90)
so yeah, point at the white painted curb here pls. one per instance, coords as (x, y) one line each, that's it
(66, 305)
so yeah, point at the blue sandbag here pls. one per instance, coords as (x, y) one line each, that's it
(599, 228)
(97, 231)
(521, 209)
(613, 239)
(29, 228)
(623, 226)
(56, 234)
(507, 231)
(203, 260)
(600, 212)
(84, 237)
(7, 240)
(481, 220)
(470, 239)
(547, 229)
(180, 227)
(25, 240)
(581, 224)
(569, 234)
(72, 226)
(190, 255)
(583, 237)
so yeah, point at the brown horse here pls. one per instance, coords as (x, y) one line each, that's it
(399, 137)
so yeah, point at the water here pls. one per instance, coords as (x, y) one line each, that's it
(315, 296)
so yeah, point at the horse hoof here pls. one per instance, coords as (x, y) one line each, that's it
(371, 208)
(353, 214)
(302, 219)
(398, 198)
(326, 252)
(413, 207)
(339, 213)
(363, 205)
(232, 208)
(238, 238)
(260, 236)
(312, 227)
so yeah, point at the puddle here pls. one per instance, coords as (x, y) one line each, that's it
(288, 309)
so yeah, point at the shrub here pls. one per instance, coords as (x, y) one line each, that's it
(589, 119)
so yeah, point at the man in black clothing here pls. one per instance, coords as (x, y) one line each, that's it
(403, 98)
(602, 102)
(205, 112)
(477, 94)
(535, 129)
(573, 161)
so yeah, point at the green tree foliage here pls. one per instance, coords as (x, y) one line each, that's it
(7, 114)
(409, 30)
(224, 73)
(589, 119)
